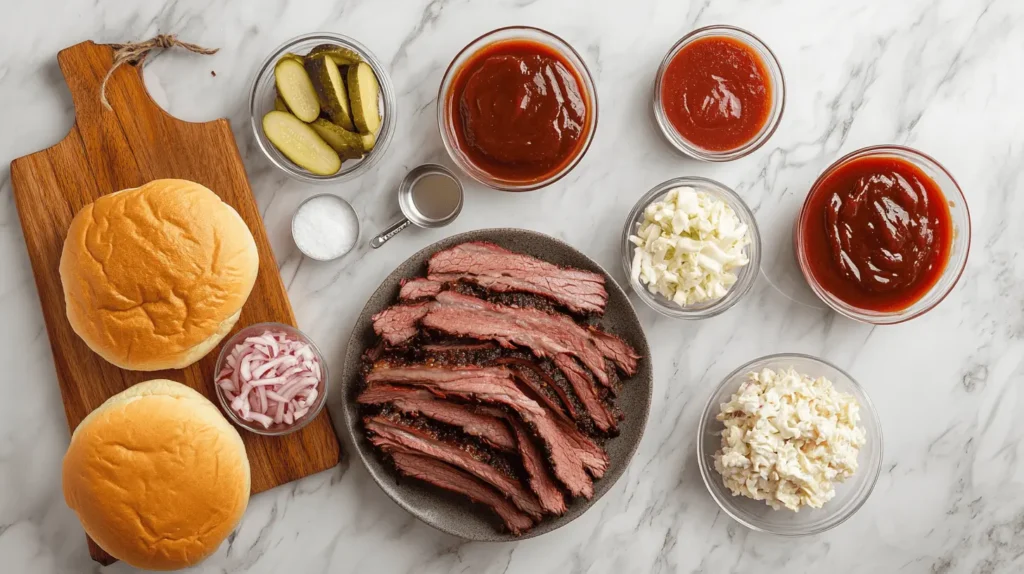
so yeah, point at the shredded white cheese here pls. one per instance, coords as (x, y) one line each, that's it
(688, 246)
(788, 439)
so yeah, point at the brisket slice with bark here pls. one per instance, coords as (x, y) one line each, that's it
(535, 379)
(433, 284)
(583, 385)
(493, 430)
(392, 433)
(546, 334)
(398, 323)
(419, 288)
(541, 481)
(499, 269)
(448, 477)
(458, 347)
(570, 452)
(490, 424)
(534, 462)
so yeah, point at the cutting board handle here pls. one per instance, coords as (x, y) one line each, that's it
(84, 66)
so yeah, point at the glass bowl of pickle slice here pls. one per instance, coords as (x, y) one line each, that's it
(322, 108)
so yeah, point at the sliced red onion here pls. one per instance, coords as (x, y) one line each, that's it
(260, 418)
(274, 348)
(276, 397)
(271, 378)
(282, 360)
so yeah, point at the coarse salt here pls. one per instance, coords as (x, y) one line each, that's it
(325, 227)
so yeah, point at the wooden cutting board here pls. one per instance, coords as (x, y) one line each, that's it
(107, 151)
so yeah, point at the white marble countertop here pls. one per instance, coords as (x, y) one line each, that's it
(940, 75)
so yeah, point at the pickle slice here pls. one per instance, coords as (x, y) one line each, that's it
(296, 89)
(341, 56)
(300, 143)
(279, 104)
(349, 145)
(369, 140)
(364, 91)
(292, 56)
(330, 88)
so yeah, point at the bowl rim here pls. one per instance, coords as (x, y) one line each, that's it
(388, 119)
(602, 486)
(879, 317)
(450, 146)
(867, 407)
(778, 84)
(231, 342)
(747, 276)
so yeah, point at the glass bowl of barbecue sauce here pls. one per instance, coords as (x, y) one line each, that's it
(883, 235)
(719, 94)
(517, 109)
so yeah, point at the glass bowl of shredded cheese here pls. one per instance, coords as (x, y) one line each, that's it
(789, 444)
(691, 248)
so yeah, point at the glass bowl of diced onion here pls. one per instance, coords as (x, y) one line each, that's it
(708, 291)
(306, 403)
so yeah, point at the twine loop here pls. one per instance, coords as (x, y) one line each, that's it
(136, 52)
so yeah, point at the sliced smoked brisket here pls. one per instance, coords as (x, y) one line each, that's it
(494, 431)
(546, 334)
(499, 269)
(541, 481)
(570, 452)
(492, 378)
(448, 477)
(393, 433)
(399, 323)
(583, 385)
(540, 384)
(419, 288)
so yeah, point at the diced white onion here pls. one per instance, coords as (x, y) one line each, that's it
(688, 247)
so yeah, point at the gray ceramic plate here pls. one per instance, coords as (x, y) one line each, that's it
(452, 513)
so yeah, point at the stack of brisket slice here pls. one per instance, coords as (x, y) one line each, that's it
(492, 380)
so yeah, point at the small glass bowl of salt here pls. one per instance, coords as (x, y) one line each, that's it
(325, 227)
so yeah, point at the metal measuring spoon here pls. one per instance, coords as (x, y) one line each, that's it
(429, 196)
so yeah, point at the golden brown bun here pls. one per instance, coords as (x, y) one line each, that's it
(154, 277)
(157, 476)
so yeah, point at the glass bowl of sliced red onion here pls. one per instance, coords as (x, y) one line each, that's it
(271, 379)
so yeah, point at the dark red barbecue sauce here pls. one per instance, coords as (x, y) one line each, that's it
(519, 110)
(877, 233)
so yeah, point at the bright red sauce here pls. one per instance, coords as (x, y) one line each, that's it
(717, 93)
(519, 110)
(877, 233)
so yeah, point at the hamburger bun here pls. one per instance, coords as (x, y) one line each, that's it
(155, 276)
(157, 476)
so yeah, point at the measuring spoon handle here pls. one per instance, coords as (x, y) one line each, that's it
(390, 232)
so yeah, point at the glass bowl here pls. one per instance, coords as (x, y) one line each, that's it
(746, 275)
(276, 429)
(446, 119)
(263, 92)
(961, 245)
(776, 80)
(756, 514)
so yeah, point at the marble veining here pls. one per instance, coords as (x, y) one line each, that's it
(940, 75)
